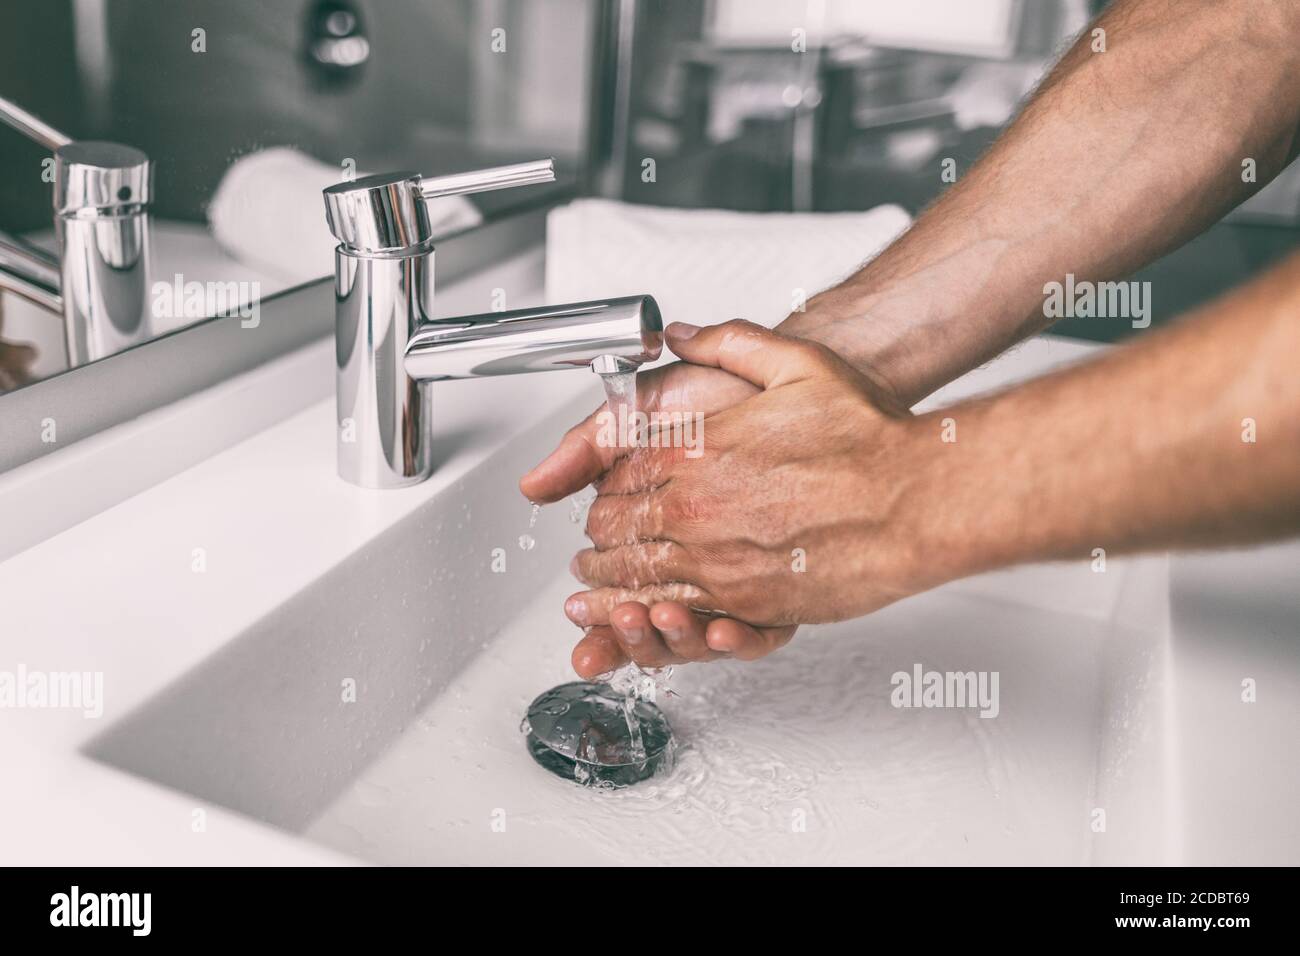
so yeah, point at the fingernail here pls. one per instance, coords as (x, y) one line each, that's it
(717, 644)
(682, 330)
(573, 569)
(634, 635)
(575, 608)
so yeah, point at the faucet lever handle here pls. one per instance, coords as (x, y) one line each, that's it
(31, 126)
(386, 212)
(485, 180)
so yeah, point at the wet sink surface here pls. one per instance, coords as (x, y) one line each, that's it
(377, 710)
(800, 758)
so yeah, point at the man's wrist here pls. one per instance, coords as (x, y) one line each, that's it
(842, 320)
(961, 515)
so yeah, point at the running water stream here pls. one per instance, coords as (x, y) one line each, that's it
(568, 727)
(620, 400)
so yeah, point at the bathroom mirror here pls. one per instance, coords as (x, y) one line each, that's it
(241, 112)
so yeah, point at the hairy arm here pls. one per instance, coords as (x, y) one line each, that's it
(1186, 438)
(1119, 157)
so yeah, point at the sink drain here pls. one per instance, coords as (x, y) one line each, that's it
(590, 734)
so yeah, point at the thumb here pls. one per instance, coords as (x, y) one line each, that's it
(758, 355)
(578, 461)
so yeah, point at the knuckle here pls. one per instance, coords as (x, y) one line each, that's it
(580, 432)
(814, 353)
(740, 325)
(688, 509)
(595, 518)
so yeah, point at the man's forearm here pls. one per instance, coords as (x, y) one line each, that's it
(1118, 158)
(1188, 437)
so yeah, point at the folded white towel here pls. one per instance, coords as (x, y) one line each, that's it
(706, 266)
(268, 213)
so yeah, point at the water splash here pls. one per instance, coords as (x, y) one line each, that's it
(636, 745)
(580, 504)
(641, 683)
(598, 738)
(526, 541)
(811, 729)
(633, 684)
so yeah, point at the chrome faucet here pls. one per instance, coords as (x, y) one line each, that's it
(100, 279)
(389, 347)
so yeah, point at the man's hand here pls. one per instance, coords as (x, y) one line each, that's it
(655, 633)
(580, 458)
(812, 502)
(792, 504)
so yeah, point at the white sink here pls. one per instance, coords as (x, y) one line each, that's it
(800, 758)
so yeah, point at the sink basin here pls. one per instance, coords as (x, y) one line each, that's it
(373, 709)
(377, 711)
(800, 758)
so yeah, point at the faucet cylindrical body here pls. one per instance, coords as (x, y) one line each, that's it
(102, 193)
(101, 197)
(384, 439)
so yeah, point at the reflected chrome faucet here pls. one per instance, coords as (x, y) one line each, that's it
(100, 278)
(388, 347)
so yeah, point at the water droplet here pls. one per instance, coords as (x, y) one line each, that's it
(580, 504)
(526, 542)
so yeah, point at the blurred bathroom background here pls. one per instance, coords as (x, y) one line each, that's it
(676, 103)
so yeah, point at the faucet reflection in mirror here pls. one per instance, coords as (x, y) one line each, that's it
(100, 279)
(389, 346)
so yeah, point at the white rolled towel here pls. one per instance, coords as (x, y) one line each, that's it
(267, 212)
(705, 266)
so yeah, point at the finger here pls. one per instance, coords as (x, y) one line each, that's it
(756, 354)
(642, 470)
(743, 642)
(592, 608)
(599, 652)
(683, 631)
(638, 638)
(614, 520)
(579, 460)
(634, 566)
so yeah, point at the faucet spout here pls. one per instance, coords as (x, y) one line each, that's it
(606, 335)
(30, 272)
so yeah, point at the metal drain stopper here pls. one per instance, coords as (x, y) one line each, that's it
(594, 736)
